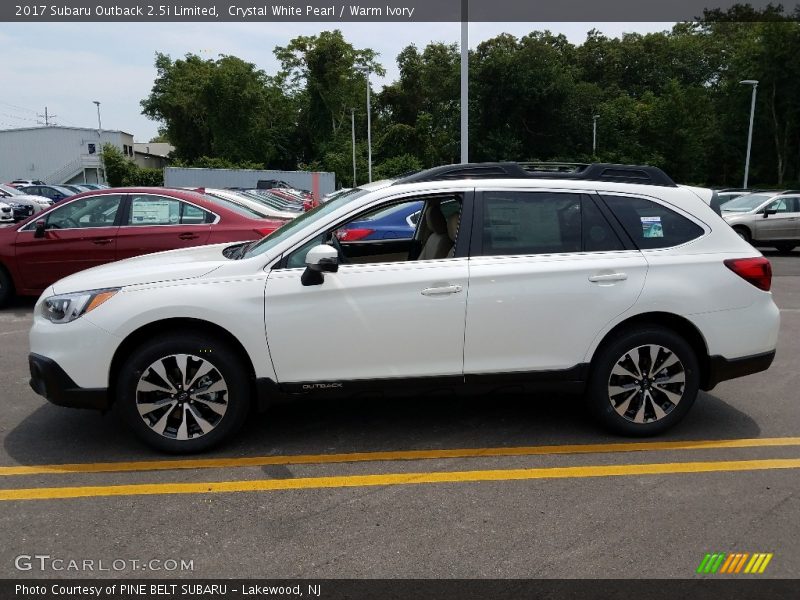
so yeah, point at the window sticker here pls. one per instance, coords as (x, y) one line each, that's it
(151, 212)
(651, 227)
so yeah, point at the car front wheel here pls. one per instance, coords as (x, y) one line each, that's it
(184, 393)
(643, 382)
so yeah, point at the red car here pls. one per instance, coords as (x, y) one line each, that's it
(102, 226)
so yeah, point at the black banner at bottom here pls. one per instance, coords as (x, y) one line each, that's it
(402, 589)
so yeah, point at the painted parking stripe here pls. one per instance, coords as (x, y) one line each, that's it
(399, 455)
(387, 479)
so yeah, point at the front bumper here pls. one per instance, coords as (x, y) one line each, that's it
(49, 380)
(722, 369)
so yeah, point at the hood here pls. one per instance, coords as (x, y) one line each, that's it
(173, 265)
(30, 198)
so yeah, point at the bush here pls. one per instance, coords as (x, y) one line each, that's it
(121, 171)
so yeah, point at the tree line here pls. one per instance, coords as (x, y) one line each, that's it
(670, 99)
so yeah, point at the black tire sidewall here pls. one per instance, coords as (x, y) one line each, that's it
(609, 354)
(210, 349)
(742, 231)
(6, 287)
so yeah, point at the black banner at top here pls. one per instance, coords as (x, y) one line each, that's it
(401, 11)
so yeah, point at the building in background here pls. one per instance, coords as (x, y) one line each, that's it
(57, 154)
(152, 155)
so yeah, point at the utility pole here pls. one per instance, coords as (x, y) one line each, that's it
(594, 134)
(369, 132)
(99, 124)
(464, 81)
(754, 83)
(47, 118)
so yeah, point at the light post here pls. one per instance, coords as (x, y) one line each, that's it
(366, 72)
(754, 83)
(594, 134)
(353, 132)
(464, 81)
(99, 129)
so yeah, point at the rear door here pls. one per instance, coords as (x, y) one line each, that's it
(783, 225)
(154, 223)
(78, 235)
(547, 272)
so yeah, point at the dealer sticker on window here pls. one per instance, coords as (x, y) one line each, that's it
(651, 227)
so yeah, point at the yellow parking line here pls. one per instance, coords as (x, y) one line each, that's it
(305, 459)
(263, 485)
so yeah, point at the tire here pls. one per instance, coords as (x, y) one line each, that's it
(785, 247)
(744, 233)
(6, 287)
(641, 406)
(168, 416)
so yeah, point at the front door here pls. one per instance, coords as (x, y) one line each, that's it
(78, 235)
(385, 315)
(784, 224)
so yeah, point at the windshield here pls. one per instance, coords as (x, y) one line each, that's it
(304, 220)
(11, 191)
(746, 203)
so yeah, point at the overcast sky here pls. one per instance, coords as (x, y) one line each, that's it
(65, 66)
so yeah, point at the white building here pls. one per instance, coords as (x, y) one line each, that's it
(58, 154)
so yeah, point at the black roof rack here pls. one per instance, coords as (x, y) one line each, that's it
(544, 170)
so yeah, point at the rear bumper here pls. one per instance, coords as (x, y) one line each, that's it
(722, 369)
(50, 381)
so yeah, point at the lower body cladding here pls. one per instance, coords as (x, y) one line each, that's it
(50, 381)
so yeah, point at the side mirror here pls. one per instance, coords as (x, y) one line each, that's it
(770, 211)
(39, 230)
(320, 259)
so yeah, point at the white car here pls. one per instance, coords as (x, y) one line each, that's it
(6, 213)
(609, 281)
(11, 195)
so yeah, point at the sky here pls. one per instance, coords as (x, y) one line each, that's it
(66, 66)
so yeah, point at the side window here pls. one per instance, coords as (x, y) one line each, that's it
(784, 204)
(154, 210)
(651, 225)
(191, 215)
(94, 211)
(598, 236)
(531, 223)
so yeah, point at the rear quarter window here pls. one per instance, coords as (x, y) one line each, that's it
(651, 225)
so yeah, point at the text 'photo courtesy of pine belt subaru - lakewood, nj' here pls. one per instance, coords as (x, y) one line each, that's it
(603, 280)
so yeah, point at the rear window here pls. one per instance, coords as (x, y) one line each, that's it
(651, 225)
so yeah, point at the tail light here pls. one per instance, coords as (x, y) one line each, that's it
(756, 271)
(351, 235)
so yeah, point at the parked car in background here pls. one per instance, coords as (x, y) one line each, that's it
(282, 198)
(766, 218)
(76, 187)
(11, 191)
(393, 223)
(56, 193)
(94, 186)
(250, 202)
(6, 214)
(727, 194)
(23, 182)
(107, 225)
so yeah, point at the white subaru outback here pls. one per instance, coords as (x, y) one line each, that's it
(606, 280)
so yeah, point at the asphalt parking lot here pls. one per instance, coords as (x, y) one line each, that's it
(430, 487)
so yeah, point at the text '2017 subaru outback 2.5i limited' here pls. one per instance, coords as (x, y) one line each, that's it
(603, 279)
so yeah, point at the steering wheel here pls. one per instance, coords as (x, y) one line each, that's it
(343, 260)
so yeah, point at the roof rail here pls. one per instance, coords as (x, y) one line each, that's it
(644, 175)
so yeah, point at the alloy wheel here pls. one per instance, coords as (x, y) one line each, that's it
(182, 396)
(646, 383)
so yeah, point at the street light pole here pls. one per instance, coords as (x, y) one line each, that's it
(464, 81)
(99, 124)
(353, 131)
(594, 134)
(754, 83)
(369, 129)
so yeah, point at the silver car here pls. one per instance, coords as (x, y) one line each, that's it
(766, 218)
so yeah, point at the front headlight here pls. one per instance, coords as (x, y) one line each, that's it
(65, 308)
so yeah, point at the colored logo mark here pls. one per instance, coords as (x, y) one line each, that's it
(734, 562)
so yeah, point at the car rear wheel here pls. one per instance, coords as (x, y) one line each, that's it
(185, 393)
(744, 233)
(643, 382)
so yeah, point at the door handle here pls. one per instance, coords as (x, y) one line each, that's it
(608, 277)
(441, 291)
(188, 236)
(102, 241)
